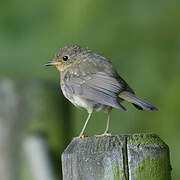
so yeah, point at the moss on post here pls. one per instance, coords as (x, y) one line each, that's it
(148, 157)
(120, 157)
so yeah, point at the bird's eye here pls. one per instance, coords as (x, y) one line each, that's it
(65, 58)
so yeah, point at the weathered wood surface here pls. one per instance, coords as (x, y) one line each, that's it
(120, 157)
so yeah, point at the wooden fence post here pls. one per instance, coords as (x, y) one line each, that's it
(119, 157)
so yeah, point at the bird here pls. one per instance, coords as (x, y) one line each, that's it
(90, 81)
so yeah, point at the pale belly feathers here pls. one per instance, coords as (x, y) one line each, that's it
(78, 101)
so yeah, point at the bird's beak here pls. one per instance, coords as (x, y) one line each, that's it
(52, 63)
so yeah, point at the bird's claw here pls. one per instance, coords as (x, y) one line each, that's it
(81, 136)
(105, 134)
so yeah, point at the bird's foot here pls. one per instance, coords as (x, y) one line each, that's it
(81, 136)
(105, 134)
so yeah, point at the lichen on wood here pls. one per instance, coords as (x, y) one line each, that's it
(120, 157)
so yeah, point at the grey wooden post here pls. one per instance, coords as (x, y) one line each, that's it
(120, 157)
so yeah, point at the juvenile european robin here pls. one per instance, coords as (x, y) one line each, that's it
(90, 81)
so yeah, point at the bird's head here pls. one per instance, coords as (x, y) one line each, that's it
(68, 56)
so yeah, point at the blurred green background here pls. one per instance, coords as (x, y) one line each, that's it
(141, 38)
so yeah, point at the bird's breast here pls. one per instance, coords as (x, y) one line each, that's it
(75, 99)
(82, 102)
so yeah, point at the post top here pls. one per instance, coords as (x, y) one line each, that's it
(107, 143)
(127, 156)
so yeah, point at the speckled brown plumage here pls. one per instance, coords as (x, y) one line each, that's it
(90, 81)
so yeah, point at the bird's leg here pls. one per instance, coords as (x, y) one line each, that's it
(106, 133)
(84, 127)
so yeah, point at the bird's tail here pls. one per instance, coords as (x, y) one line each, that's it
(136, 101)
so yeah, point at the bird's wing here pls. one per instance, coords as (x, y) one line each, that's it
(98, 87)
